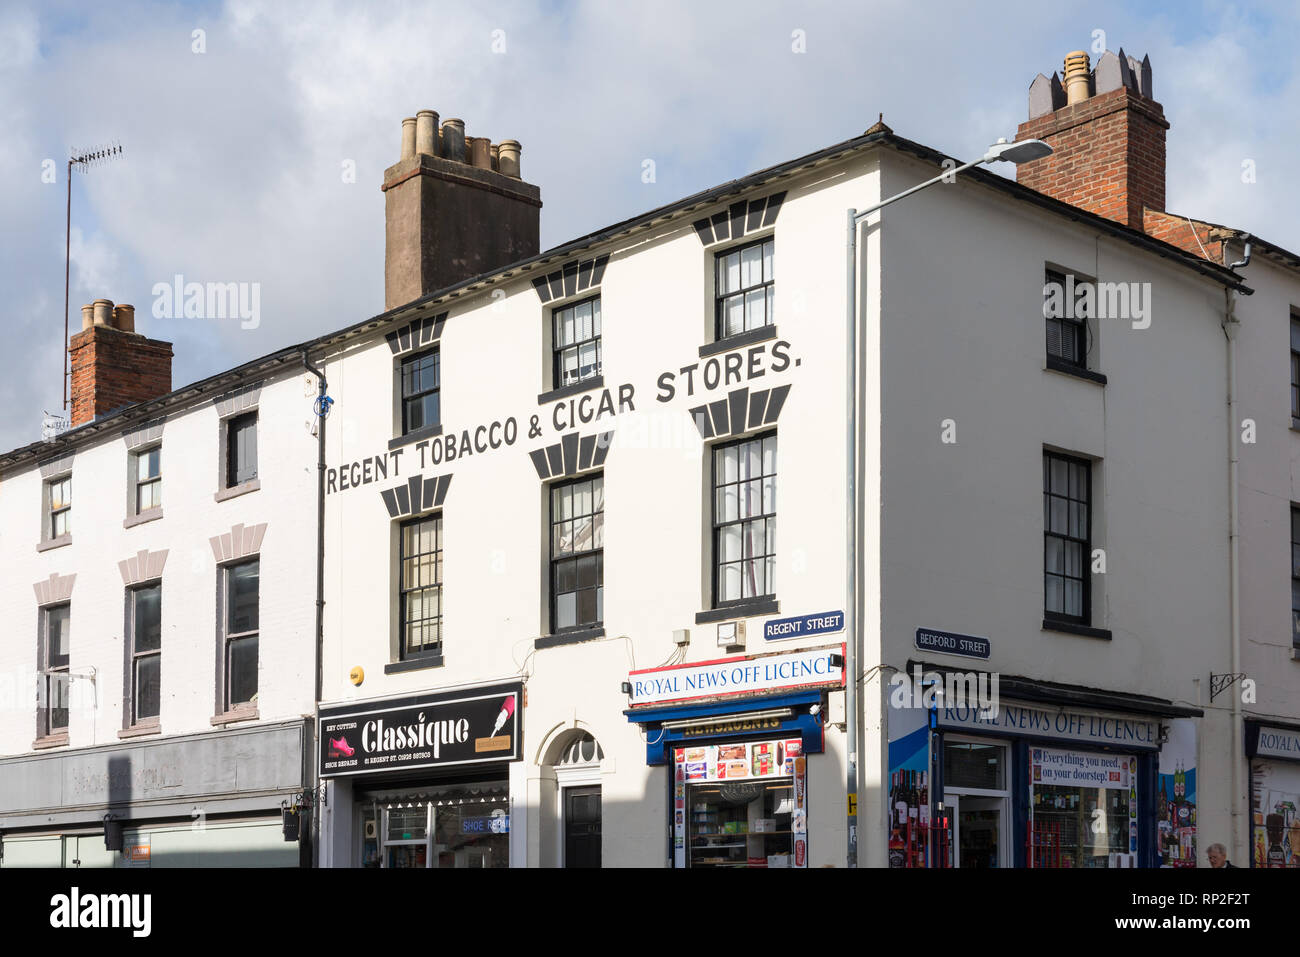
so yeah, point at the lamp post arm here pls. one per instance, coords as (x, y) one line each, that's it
(945, 175)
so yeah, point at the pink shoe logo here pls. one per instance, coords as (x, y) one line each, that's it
(340, 748)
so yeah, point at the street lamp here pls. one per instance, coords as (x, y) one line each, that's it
(1000, 152)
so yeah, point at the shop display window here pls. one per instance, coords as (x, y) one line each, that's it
(456, 826)
(1083, 809)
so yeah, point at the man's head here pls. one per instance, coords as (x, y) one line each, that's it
(1217, 854)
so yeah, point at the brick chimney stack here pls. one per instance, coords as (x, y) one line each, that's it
(1108, 137)
(454, 207)
(113, 365)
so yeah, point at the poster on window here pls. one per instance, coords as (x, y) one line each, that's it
(908, 799)
(1275, 817)
(1176, 796)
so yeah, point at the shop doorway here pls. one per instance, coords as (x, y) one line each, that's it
(977, 799)
(978, 830)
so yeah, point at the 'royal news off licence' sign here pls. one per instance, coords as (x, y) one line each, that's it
(740, 675)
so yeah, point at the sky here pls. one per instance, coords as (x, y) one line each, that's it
(255, 135)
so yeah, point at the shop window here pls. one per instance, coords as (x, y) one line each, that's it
(420, 597)
(1067, 532)
(241, 626)
(454, 826)
(144, 675)
(577, 554)
(1275, 817)
(1074, 825)
(575, 338)
(55, 644)
(744, 290)
(421, 378)
(146, 480)
(744, 520)
(974, 765)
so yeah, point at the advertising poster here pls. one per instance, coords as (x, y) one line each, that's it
(909, 764)
(1176, 796)
(799, 820)
(1275, 821)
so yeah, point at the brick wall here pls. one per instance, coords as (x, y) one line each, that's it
(1191, 236)
(1109, 155)
(112, 368)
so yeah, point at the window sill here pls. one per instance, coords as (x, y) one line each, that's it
(237, 490)
(737, 341)
(413, 664)
(59, 542)
(574, 636)
(141, 730)
(1069, 628)
(51, 741)
(148, 515)
(230, 717)
(428, 432)
(573, 388)
(748, 609)
(1056, 365)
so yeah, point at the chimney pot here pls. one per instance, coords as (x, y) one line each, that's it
(408, 137)
(426, 132)
(495, 151)
(124, 318)
(508, 158)
(103, 312)
(480, 152)
(1076, 77)
(453, 140)
(87, 316)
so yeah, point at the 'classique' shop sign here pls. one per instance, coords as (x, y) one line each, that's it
(739, 675)
(435, 730)
(1064, 723)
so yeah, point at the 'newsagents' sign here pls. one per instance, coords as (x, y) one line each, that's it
(739, 675)
(1065, 724)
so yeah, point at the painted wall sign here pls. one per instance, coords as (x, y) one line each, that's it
(470, 726)
(948, 643)
(1060, 723)
(823, 623)
(738, 675)
(725, 416)
(1278, 743)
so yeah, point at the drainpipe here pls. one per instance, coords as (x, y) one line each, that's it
(1231, 324)
(851, 534)
(321, 409)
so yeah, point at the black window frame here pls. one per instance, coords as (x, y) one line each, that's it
(1084, 543)
(55, 669)
(426, 650)
(237, 471)
(229, 638)
(1295, 577)
(138, 483)
(559, 559)
(767, 283)
(408, 395)
(766, 517)
(558, 351)
(1076, 327)
(135, 655)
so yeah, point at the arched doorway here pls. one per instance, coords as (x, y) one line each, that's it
(577, 776)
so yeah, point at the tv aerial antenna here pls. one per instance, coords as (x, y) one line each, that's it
(85, 161)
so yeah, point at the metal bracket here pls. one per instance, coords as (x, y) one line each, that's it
(1221, 683)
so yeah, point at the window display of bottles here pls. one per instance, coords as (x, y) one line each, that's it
(909, 819)
(1079, 827)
